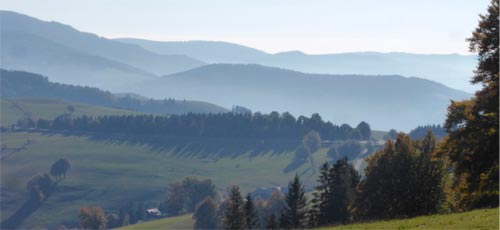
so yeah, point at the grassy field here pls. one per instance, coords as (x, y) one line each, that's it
(178, 222)
(40, 108)
(477, 219)
(110, 171)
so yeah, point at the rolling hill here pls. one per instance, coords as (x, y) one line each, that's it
(110, 171)
(14, 109)
(62, 52)
(16, 84)
(453, 70)
(384, 102)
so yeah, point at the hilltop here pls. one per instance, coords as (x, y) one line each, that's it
(342, 98)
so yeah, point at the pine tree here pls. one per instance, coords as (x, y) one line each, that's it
(251, 217)
(317, 214)
(294, 213)
(343, 180)
(334, 194)
(234, 217)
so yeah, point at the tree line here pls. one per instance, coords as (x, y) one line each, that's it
(236, 125)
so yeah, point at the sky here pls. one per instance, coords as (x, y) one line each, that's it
(313, 27)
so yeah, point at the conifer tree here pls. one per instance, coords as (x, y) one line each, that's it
(294, 213)
(234, 217)
(251, 217)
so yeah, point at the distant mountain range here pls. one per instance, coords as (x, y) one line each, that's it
(70, 56)
(452, 70)
(18, 84)
(344, 95)
(383, 101)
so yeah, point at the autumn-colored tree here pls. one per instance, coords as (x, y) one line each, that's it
(473, 141)
(312, 141)
(92, 217)
(206, 214)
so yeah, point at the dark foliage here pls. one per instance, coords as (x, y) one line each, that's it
(60, 168)
(185, 195)
(402, 180)
(420, 132)
(334, 194)
(205, 214)
(473, 141)
(293, 215)
(234, 218)
(235, 125)
(251, 215)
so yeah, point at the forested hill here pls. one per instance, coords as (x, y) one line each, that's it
(385, 102)
(23, 84)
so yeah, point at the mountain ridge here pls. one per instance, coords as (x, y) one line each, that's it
(343, 98)
(453, 70)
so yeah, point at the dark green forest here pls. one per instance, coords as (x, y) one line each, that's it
(228, 125)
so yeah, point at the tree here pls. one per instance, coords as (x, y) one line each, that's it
(402, 180)
(365, 130)
(113, 220)
(234, 217)
(60, 168)
(175, 199)
(185, 195)
(473, 141)
(206, 214)
(312, 141)
(39, 186)
(273, 205)
(272, 223)
(334, 194)
(317, 215)
(92, 217)
(294, 213)
(251, 217)
(392, 135)
(343, 180)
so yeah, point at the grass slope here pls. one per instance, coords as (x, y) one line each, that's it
(178, 222)
(110, 172)
(477, 219)
(43, 108)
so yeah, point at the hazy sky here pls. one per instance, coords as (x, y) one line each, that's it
(319, 26)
